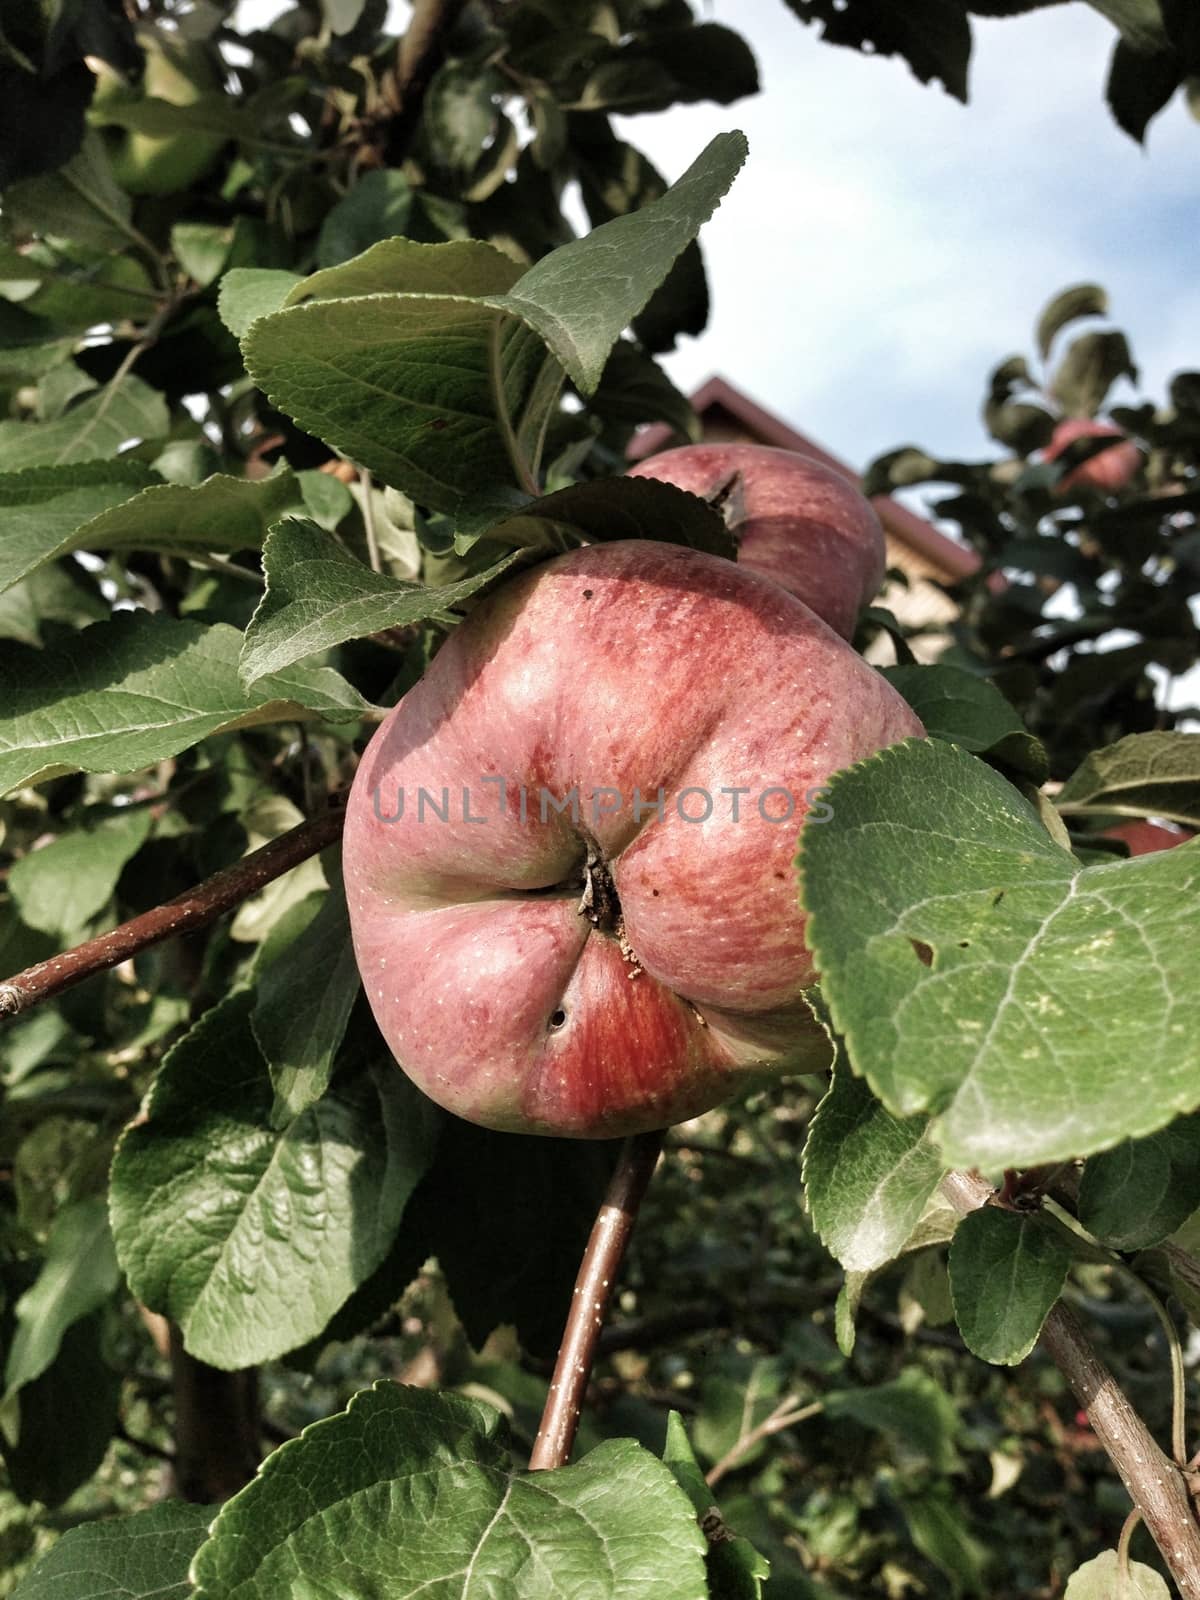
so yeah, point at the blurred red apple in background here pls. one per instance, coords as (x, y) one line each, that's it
(794, 520)
(629, 960)
(1143, 837)
(1109, 471)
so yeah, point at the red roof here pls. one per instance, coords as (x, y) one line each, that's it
(905, 526)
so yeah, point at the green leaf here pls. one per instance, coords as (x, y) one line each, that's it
(605, 509)
(80, 201)
(62, 886)
(867, 1175)
(247, 293)
(78, 1275)
(462, 268)
(1140, 22)
(582, 296)
(970, 711)
(736, 1570)
(939, 1529)
(1138, 1193)
(123, 694)
(64, 1419)
(1083, 300)
(222, 514)
(1100, 1579)
(142, 1556)
(99, 426)
(378, 207)
(363, 366)
(303, 1003)
(249, 1236)
(44, 506)
(1142, 775)
(345, 1508)
(342, 15)
(369, 376)
(914, 1409)
(980, 973)
(318, 595)
(933, 36)
(1007, 1269)
(1091, 366)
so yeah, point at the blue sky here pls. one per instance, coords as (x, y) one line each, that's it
(885, 246)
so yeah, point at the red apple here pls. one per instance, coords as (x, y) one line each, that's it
(794, 520)
(1143, 837)
(615, 967)
(1109, 471)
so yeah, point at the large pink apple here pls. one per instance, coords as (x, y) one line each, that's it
(619, 964)
(794, 520)
(1109, 471)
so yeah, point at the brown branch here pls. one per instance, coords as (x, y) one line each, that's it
(593, 1291)
(217, 1448)
(193, 909)
(418, 56)
(1155, 1484)
(786, 1414)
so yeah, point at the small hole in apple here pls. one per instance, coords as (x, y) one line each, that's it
(588, 593)
(964, 944)
(557, 1019)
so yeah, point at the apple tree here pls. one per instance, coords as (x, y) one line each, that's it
(312, 393)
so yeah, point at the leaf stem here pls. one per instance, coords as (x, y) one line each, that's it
(593, 1291)
(1128, 1529)
(193, 909)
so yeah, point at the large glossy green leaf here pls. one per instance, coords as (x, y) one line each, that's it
(142, 1556)
(347, 1509)
(1038, 1009)
(250, 1235)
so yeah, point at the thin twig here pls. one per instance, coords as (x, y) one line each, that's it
(786, 1414)
(1155, 1484)
(593, 1291)
(195, 908)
